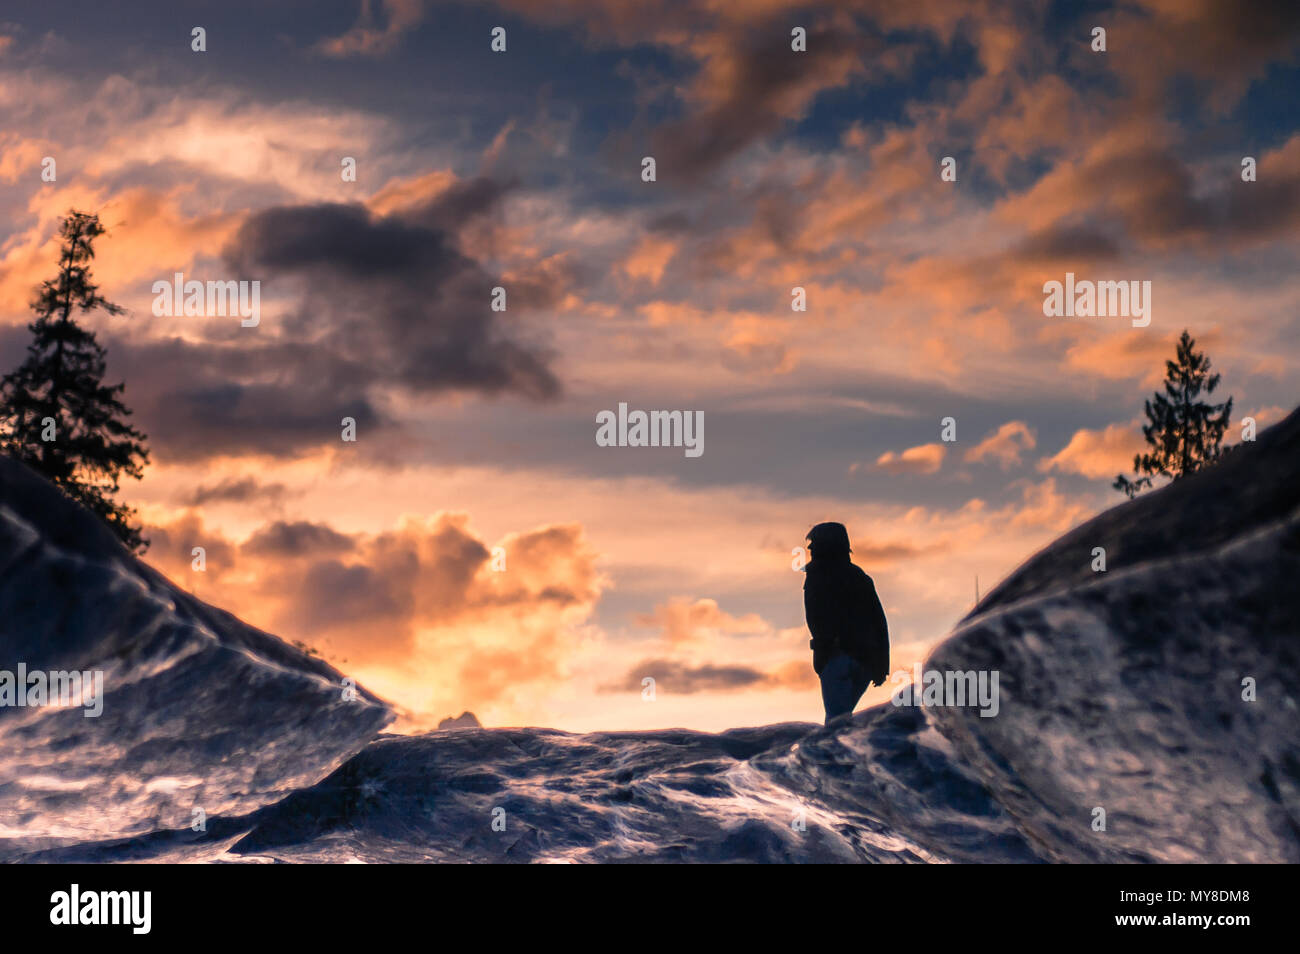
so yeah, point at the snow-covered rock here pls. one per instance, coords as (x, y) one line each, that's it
(200, 712)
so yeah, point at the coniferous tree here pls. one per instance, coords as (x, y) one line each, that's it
(1185, 433)
(56, 414)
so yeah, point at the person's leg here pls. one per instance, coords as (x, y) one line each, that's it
(837, 686)
(861, 682)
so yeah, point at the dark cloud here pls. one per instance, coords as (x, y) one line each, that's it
(1159, 201)
(464, 201)
(1066, 243)
(755, 84)
(342, 237)
(891, 552)
(1224, 43)
(196, 399)
(395, 294)
(237, 490)
(333, 597)
(172, 548)
(442, 563)
(382, 302)
(679, 678)
(673, 223)
(297, 538)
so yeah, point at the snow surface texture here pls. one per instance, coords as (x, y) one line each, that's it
(199, 710)
(1119, 691)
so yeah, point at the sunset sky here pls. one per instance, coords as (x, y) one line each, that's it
(523, 169)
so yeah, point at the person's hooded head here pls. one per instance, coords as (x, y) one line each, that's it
(829, 542)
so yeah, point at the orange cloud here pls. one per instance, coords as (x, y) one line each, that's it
(683, 621)
(427, 614)
(368, 37)
(1044, 507)
(1005, 445)
(1268, 415)
(407, 193)
(1103, 453)
(19, 156)
(1125, 355)
(925, 459)
(649, 259)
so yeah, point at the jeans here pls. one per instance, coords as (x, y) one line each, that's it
(844, 680)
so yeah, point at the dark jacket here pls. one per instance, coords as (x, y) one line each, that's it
(844, 615)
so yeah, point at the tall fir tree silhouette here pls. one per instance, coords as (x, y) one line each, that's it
(1185, 433)
(56, 414)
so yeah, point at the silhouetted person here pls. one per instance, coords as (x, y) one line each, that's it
(850, 638)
